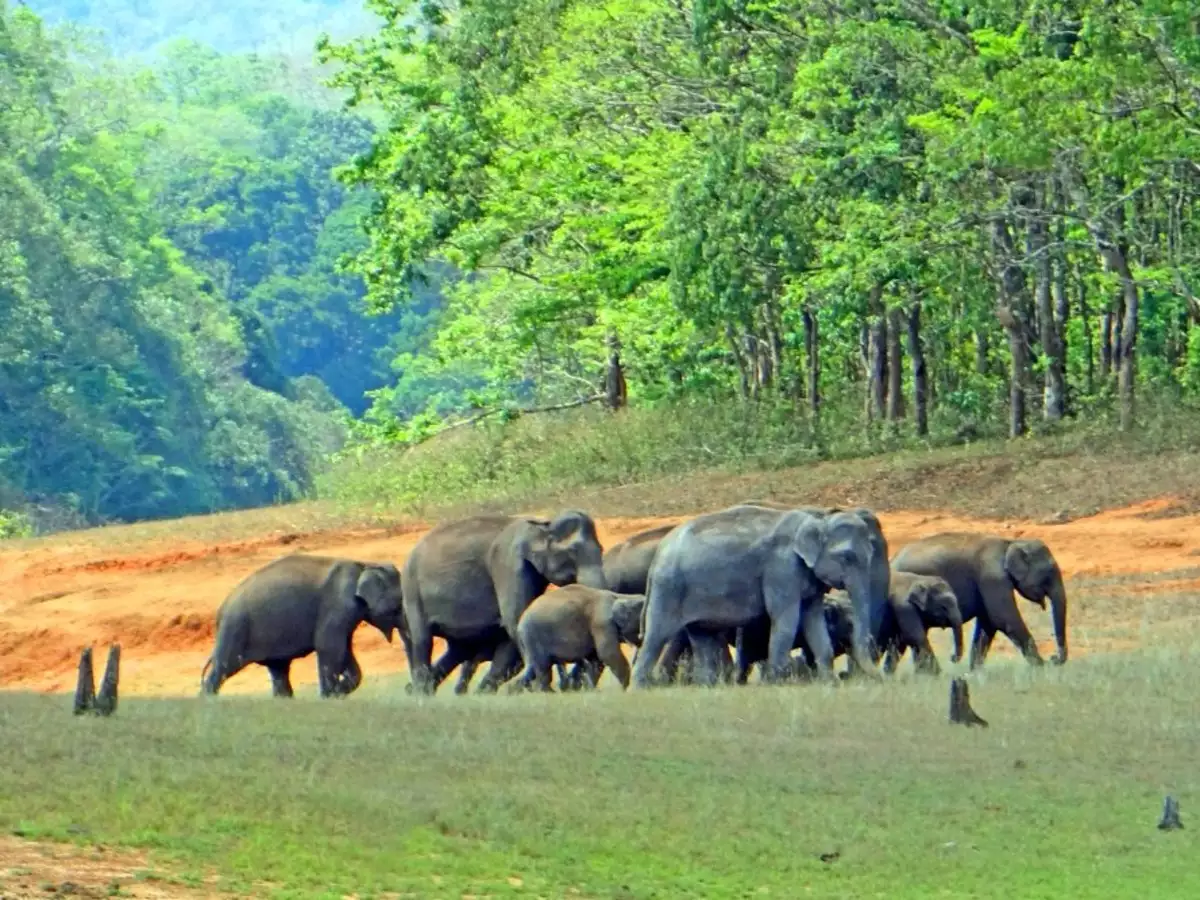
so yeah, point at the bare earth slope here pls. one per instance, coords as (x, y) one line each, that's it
(156, 594)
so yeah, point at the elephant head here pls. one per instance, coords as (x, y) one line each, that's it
(378, 591)
(1036, 576)
(935, 600)
(846, 549)
(567, 551)
(627, 617)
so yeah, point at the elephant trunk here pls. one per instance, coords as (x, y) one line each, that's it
(592, 576)
(878, 588)
(1058, 612)
(957, 627)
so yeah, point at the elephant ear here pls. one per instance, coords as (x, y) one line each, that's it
(1017, 561)
(809, 541)
(920, 595)
(379, 588)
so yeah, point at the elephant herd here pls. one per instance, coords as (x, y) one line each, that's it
(701, 601)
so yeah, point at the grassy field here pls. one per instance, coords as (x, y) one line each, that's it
(670, 793)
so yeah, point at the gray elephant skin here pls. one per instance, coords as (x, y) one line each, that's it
(916, 603)
(983, 571)
(468, 581)
(299, 604)
(626, 570)
(729, 569)
(578, 624)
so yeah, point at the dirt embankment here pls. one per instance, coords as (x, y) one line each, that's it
(158, 599)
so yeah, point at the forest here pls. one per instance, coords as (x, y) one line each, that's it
(915, 219)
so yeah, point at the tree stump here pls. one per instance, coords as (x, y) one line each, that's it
(960, 705)
(1170, 815)
(106, 700)
(85, 685)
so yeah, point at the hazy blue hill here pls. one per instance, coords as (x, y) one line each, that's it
(142, 26)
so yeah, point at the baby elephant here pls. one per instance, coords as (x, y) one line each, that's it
(577, 623)
(918, 603)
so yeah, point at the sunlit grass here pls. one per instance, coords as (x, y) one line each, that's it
(734, 792)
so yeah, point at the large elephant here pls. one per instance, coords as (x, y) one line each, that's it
(295, 605)
(626, 570)
(468, 581)
(729, 569)
(578, 624)
(983, 570)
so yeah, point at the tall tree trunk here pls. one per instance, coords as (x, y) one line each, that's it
(916, 353)
(1009, 312)
(1062, 315)
(1039, 245)
(1106, 343)
(812, 354)
(1089, 349)
(895, 394)
(981, 351)
(1128, 340)
(740, 359)
(615, 389)
(877, 357)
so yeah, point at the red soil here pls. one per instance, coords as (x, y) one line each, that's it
(58, 595)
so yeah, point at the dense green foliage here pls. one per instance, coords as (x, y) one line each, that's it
(175, 319)
(964, 216)
(145, 26)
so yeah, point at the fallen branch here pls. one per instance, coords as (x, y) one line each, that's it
(514, 413)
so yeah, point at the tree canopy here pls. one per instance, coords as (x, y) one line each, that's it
(971, 213)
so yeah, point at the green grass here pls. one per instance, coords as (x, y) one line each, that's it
(688, 457)
(734, 792)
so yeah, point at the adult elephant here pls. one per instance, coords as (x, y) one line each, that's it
(729, 569)
(983, 571)
(626, 570)
(468, 581)
(295, 605)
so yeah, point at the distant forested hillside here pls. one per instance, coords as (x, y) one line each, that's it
(263, 26)
(178, 334)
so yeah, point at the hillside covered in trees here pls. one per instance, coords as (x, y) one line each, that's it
(908, 219)
(287, 27)
(178, 336)
(969, 216)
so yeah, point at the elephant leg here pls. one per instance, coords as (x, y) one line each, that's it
(891, 658)
(608, 653)
(281, 682)
(705, 653)
(1018, 632)
(465, 673)
(420, 671)
(505, 664)
(658, 635)
(351, 676)
(816, 636)
(981, 642)
(677, 651)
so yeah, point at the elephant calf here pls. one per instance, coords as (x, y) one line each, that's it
(916, 603)
(577, 624)
(298, 604)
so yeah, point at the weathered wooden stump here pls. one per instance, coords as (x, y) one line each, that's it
(960, 705)
(85, 685)
(106, 700)
(1170, 815)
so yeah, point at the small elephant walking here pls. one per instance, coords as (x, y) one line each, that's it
(295, 605)
(983, 571)
(578, 624)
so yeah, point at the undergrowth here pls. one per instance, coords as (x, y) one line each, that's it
(552, 458)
